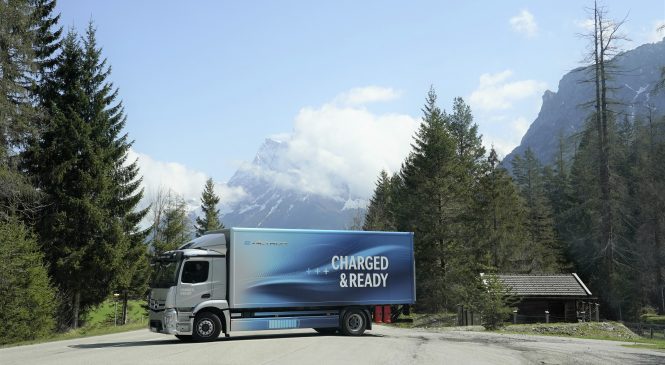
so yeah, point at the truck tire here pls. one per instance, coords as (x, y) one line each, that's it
(207, 327)
(354, 322)
(326, 331)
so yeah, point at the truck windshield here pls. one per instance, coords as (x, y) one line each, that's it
(164, 273)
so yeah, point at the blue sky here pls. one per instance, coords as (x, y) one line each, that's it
(205, 82)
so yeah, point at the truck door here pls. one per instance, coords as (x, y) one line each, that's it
(195, 285)
(218, 278)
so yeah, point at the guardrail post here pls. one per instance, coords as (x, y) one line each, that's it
(597, 312)
(515, 316)
(651, 332)
(547, 316)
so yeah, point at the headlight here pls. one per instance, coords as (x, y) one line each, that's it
(170, 319)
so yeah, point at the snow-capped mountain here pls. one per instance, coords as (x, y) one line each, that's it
(272, 200)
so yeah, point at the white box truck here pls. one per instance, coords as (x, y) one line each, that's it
(246, 279)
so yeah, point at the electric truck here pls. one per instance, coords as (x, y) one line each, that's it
(249, 279)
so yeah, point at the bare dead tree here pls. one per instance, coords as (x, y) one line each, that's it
(604, 45)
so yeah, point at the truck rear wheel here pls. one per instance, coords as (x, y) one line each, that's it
(354, 322)
(207, 327)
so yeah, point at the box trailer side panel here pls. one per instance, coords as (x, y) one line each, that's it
(272, 268)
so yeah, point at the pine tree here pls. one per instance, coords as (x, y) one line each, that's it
(545, 250)
(46, 34)
(210, 220)
(603, 46)
(649, 184)
(27, 298)
(428, 206)
(380, 212)
(16, 67)
(90, 224)
(172, 229)
(499, 224)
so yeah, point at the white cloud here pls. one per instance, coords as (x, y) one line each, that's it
(658, 32)
(585, 24)
(365, 95)
(507, 137)
(520, 126)
(180, 179)
(524, 23)
(494, 92)
(338, 151)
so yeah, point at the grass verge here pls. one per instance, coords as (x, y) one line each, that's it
(99, 321)
(612, 331)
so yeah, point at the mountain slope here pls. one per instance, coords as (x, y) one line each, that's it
(563, 113)
(272, 203)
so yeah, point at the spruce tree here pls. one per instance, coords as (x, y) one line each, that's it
(499, 222)
(544, 246)
(210, 220)
(16, 67)
(172, 230)
(380, 213)
(429, 206)
(648, 175)
(27, 297)
(89, 224)
(46, 34)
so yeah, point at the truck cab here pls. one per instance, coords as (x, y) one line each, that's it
(184, 282)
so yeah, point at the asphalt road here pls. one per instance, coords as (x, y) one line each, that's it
(383, 345)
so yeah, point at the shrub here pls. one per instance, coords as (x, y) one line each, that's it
(27, 298)
(494, 303)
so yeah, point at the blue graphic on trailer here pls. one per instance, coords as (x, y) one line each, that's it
(287, 268)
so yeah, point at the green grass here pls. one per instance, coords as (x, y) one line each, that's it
(105, 312)
(653, 319)
(612, 331)
(99, 322)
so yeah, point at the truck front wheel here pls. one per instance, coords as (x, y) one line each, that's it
(354, 322)
(207, 327)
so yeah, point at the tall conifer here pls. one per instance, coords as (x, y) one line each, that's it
(90, 225)
(210, 220)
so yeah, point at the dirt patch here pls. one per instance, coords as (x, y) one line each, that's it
(608, 330)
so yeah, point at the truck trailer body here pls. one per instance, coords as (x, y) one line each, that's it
(246, 279)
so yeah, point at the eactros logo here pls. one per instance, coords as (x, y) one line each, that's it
(266, 243)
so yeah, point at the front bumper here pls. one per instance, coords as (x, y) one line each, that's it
(171, 322)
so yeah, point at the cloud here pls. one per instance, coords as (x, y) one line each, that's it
(365, 95)
(180, 179)
(494, 92)
(338, 150)
(658, 32)
(505, 138)
(524, 23)
(585, 24)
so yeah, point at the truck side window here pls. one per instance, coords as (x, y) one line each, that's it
(195, 272)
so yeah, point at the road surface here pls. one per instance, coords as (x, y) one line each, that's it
(383, 345)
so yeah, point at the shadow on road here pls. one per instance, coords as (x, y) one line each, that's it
(175, 341)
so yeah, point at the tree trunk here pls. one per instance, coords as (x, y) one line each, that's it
(124, 307)
(76, 304)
